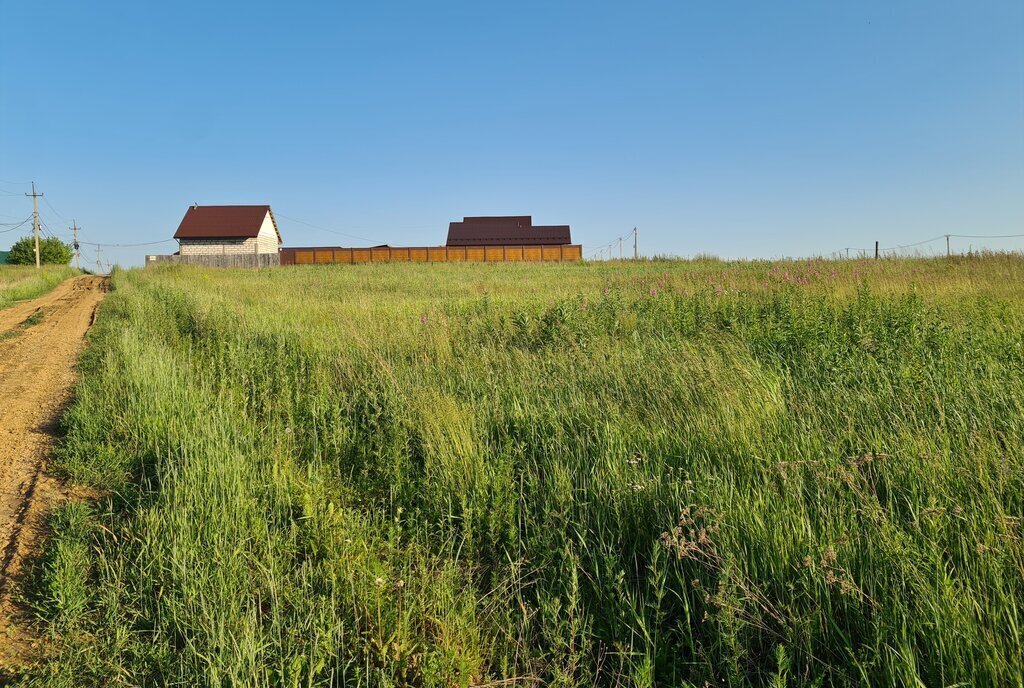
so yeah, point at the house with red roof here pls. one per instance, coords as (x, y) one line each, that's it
(228, 229)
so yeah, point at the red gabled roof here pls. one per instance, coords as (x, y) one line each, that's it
(224, 222)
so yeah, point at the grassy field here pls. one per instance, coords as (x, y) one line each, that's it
(18, 282)
(664, 473)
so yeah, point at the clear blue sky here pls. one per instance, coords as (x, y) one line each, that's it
(753, 129)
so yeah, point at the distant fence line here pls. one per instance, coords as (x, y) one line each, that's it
(380, 254)
(431, 254)
(221, 260)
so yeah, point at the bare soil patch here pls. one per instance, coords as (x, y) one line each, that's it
(40, 341)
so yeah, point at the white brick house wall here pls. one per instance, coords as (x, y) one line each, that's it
(206, 247)
(267, 238)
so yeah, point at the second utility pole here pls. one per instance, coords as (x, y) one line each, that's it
(74, 228)
(35, 219)
(636, 254)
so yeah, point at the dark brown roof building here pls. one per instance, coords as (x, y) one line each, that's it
(221, 229)
(512, 230)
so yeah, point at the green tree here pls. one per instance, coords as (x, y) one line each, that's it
(52, 251)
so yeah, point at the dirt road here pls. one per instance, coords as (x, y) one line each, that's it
(39, 344)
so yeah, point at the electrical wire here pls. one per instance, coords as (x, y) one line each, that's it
(325, 229)
(49, 232)
(987, 236)
(44, 227)
(602, 246)
(46, 230)
(919, 243)
(148, 243)
(932, 240)
(11, 229)
(47, 202)
(47, 226)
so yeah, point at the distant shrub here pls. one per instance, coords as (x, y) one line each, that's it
(52, 251)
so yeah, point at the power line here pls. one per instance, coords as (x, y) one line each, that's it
(987, 236)
(47, 231)
(619, 239)
(325, 229)
(46, 226)
(127, 246)
(602, 246)
(50, 233)
(50, 205)
(919, 243)
(933, 240)
(13, 228)
(20, 185)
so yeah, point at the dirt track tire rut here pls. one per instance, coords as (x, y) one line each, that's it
(37, 369)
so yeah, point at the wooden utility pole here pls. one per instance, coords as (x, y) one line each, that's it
(620, 248)
(74, 230)
(99, 263)
(947, 246)
(876, 250)
(611, 254)
(636, 253)
(35, 218)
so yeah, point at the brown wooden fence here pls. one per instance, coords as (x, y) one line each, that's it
(430, 254)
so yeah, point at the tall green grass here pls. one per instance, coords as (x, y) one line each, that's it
(671, 473)
(19, 282)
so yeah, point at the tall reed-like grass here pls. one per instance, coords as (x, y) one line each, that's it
(675, 473)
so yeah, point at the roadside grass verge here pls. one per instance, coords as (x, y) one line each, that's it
(667, 473)
(20, 282)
